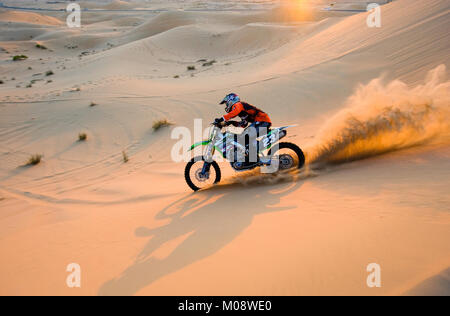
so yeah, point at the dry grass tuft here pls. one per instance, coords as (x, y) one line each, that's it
(160, 124)
(40, 46)
(125, 157)
(19, 57)
(34, 160)
(82, 137)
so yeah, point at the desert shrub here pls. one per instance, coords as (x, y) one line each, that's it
(82, 137)
(49, 73)
(190, 68)
(19, 57)
(34, 160)
(40, 46)
(125, 157)
(160, 124)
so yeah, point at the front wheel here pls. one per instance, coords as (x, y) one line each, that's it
(196, 179)
(290, 156)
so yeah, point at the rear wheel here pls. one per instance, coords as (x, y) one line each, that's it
(194, 177)
(289, 155)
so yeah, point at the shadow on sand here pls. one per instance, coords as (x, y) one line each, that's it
(438, 285)
(212, 219)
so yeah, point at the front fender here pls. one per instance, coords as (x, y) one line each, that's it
(202, 143)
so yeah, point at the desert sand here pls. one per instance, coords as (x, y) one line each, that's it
(372, 109)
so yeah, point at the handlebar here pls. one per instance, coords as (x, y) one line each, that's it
(221, 124)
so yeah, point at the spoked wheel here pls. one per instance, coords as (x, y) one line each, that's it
(194, 177)
(289, 155)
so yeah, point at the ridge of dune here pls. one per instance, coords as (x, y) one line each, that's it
(111, 5)
(436, 285)
(166, 21)
(161, 23)
(118, 5)
(402, 22)
(28, 17)
(196, 41)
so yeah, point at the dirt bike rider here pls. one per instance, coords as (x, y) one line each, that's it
(259, 120)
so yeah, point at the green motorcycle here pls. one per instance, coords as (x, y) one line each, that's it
(203, 171)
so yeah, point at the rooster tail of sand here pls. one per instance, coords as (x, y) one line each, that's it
(383, 117)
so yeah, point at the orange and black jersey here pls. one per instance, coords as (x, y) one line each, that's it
(247, 112)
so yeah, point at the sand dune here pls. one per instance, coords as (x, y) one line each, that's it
(108, 5)
(118, 5)
(372, 112)
(28, 17)
(402, 37)
(167, 21)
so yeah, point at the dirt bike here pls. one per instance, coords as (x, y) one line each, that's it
(203, 171)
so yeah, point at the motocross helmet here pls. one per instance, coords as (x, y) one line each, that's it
(231, 99)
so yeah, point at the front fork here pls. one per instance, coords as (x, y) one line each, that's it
(209, 153)
(205, 169)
